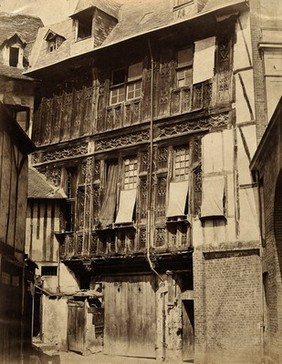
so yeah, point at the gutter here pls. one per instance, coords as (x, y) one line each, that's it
(146, 33)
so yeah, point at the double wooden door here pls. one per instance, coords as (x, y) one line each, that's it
(130, 316)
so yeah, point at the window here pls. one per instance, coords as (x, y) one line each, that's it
(184, 67)
(84, 27)
(130, 173)
(118, 90)
(126, 86)
(134, 81)
(134, 90)
(52, 45)
(14, 56)
(127, 198)
(181, 163)
(49, 270)
(117, 95)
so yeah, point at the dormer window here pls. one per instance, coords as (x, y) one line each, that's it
(53, 40)
(84, 25)
(14, 56)
(12, 51)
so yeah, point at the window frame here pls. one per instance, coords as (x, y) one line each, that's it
(80, 27)
(186, 66)
(187, 163)
(128, 81)
(11, 56)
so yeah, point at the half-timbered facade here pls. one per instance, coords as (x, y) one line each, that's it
(147, 120)
(15, 317)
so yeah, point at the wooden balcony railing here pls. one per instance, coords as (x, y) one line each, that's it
(191, 98)
(125, 241)
(123, 114)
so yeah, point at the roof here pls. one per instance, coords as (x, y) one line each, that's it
(39, 187)
(17, 27)
(134, 20)
(13, 72)
(108, 6)
(39, 54)
(25, 26)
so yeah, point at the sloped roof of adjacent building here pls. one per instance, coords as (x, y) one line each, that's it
(39, 54)
(134, 19)
(108, 6)
(40, 188)
(25, 26)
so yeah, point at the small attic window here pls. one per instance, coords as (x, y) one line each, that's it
(84, 25)
(14, 56)
(54, 41)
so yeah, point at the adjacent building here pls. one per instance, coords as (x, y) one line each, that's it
(148, 116)
(15, 318)
(17, 34)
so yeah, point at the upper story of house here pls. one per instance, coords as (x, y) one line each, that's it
(111, 67)
(17, 34)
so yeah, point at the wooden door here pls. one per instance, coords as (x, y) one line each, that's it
(130, 316)
(76, 326)
(187, 330)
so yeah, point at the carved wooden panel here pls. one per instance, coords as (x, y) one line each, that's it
(161, 197)
(122, 141)
(197, 184)
(94, 245)
(142, 238)
(146, 105)
(144, 161)
(79, 245)
(63, 153)
(36, 128)
(47, 123)
(52, 173)
(87, 118)
(80, 209)
(160, 236)
(67, 115)
(77, 114)
(56, 126)
(162, 156)
(69, 239)
(164, 81)
(143, 198)
(213, 121)
(96, 203)
(224, 66)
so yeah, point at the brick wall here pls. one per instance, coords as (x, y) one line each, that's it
(228, 307)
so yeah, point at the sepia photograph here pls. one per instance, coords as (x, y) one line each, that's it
(140, 181)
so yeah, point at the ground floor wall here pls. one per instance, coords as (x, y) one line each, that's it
(228, 306)
(208, 313)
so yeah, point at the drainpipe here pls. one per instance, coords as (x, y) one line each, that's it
(149, 214)
(262, 325)
(22, 314)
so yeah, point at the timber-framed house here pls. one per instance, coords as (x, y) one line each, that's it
(144, 112)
